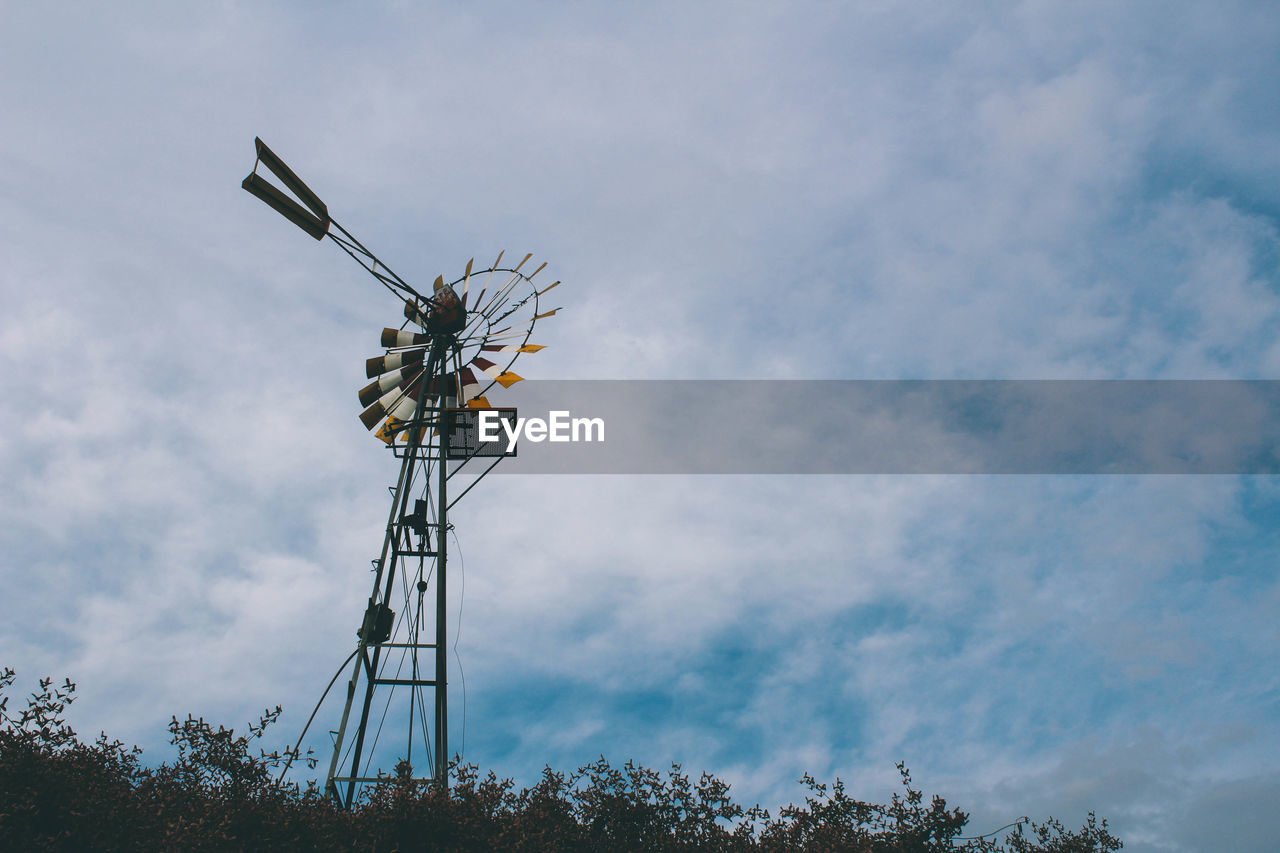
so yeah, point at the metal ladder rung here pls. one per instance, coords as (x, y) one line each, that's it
(405, 682)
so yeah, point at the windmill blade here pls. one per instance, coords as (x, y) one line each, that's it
(513, 331)
(390, 430)
(387, 381)
(383, 363)
(512, 348)
(528, 324)
(400, 338)
(470, 385)
(446, 385)
(488, 279)
(502, 294)
(474, 321)
(466, 281)
(373, 415)
(515, 338)
(408, 389)
(403, 410)
(414, 314)
(508, 337)
(503, 378)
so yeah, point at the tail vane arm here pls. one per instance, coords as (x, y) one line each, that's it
(314, 218)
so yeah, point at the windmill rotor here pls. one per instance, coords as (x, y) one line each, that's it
(481, 345)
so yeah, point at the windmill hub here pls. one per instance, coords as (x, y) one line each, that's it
(447, 316)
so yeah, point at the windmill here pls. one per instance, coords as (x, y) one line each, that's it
(425, 392)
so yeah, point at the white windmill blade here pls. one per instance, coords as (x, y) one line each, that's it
(500, 297)
(508, 336)
(471, 388)
(489, 277)
(382, 363)
(515, 277)
(400, 338)
(381, 408)
(504, 378)
(387, 381)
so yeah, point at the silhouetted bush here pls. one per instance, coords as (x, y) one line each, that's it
(59, 793)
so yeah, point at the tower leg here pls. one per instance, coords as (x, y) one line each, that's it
(442, 658)
(382, 674)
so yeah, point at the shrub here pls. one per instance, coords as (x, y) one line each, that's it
(59, 793)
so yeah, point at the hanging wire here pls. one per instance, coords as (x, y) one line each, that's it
(1019, 822)
(462, 594)
(418, 694)
(289, 760)
(373, 746)
(414, 625)
(412, 628)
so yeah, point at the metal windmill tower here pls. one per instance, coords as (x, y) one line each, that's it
(422, 401)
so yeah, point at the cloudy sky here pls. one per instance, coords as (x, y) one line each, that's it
(738, 190)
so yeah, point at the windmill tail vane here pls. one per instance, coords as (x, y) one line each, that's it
(449, 352)
(313, 219)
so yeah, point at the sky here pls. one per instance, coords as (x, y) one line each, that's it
(1048, 190)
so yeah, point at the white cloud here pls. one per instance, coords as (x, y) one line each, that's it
(1042, 191)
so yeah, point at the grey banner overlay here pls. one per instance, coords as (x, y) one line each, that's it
(905, 427)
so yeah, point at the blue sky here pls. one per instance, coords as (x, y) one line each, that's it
(817, 191)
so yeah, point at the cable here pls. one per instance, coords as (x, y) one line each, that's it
(385, 708)
(289, 761)
(462, 594)
(411, 627)
(1019, 822)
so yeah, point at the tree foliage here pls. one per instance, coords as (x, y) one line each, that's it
(60, 793)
